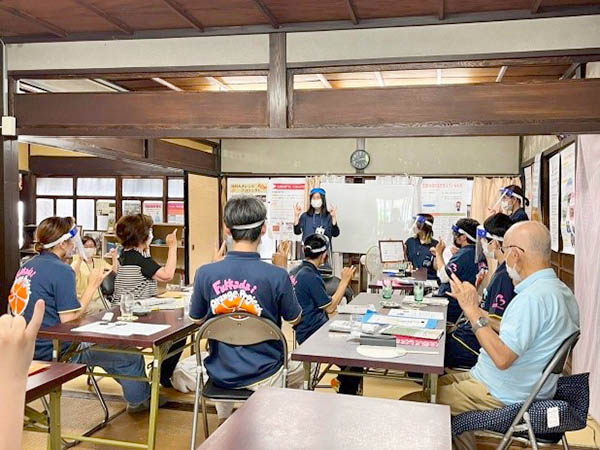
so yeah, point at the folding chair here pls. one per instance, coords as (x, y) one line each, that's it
(530, 417)
(240, 329)
(107, 289)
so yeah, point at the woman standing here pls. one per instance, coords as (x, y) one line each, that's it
(139, 274)
(418, 247)
(318, 219)
(512, 203)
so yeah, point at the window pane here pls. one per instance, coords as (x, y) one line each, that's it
(97, 187)
(85, 214)
(54, 186)
(154, 209)
(44, 207)
(175, 212)
(131, 207)
(64, 207)
(142, 187)
(175, 187)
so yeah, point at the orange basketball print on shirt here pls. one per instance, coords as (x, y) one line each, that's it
(19, 295)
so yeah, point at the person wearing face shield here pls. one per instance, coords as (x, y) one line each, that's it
(462, 263)
(512, 202)
(462, 346)
(418, 247)
(83, 269)
(49, 278)
(318, 219)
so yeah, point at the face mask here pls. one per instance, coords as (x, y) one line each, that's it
(506, 205)
(512, 273)
(70, 252)
(456, 243)
(90, 252)
(150, 237)
(316, 203)
(489, 254)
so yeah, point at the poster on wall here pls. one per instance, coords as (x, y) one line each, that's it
(257, 187)
(154, 209)
(131, 207)
(527, 172)
(567, 199)
(176, 212)
(446, 200)
(554, 210)
(536, 211)
(283, 195)
(105, 215)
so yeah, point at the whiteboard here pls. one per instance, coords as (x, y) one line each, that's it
(368, 213)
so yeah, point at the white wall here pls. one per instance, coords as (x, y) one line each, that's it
(416, 156)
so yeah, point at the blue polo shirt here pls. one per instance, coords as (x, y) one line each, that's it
(519, 215)
(313, 298)
(466, 269)
(242, 282)
(419, 255)
(47, 278)
(536, 322)
(309, 223)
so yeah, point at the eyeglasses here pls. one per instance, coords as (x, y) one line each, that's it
(508, 247)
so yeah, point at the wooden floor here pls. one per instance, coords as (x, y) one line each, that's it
(80, 411)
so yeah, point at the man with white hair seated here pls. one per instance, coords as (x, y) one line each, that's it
(537, 321)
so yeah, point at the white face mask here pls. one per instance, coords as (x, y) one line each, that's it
(90, 252)
(512, 273)
(316, 203)
(505, 205)
(489, 254)
(71, 252)
(150, 237)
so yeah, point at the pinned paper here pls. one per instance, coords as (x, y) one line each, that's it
(553, 417)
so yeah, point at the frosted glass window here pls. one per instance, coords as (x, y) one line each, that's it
(142, 187)
(86, 211)
(54, 186)
(97, 187)
(175, 188)
(64, 207)
(44, 208)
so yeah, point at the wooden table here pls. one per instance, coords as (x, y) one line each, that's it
(158, 343)
(275, 418)
(334, 348)
(419, 275)
(49, 381)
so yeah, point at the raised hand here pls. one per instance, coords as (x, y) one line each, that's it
(220, 252)
(348, 273)
(172, 238)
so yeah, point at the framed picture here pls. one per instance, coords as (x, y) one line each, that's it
(391, 251)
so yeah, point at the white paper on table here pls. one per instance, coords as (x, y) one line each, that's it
(387, 320)
(432, 301)
(354, 309)
(121, 328)
(416, 314)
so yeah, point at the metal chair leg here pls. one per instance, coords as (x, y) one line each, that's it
(564, 442)
(527, 420)
(100, 398)
(196, 402)
(205, 418)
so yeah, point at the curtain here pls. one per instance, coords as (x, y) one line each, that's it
(586, 357)
(486, 192)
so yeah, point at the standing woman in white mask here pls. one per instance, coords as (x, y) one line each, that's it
(83, 269)
(512, 202)
(318, 219)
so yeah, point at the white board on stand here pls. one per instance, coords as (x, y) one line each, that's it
(369, 213)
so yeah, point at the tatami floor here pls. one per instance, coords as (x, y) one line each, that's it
(81, 411)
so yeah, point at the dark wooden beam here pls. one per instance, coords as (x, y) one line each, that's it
(267, 12)
(570, 71)
(57, 31)
(45, 166)
(442, 12)
(185, 15)
(352, 12)
(485, 16)
(142, 109)
(535, 6)
(276, 82)
(109, 18)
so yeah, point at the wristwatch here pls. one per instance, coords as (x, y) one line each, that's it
(481, 322)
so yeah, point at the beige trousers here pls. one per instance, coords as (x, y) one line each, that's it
(462, 393)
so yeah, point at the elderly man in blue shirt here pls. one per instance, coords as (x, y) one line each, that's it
(537, 321)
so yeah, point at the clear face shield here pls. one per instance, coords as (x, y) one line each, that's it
(76, 237)
(325, 268)
(459, 231)
(504, 200)
(418, 224)
(483, 247)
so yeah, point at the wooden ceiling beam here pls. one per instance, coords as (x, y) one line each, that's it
(442, 13)
(501, 73)
(185, 14)
(55, 30)
(109, 18)
(535, 6)
(570, 71)
(352, 12)
(379, 78)
(167, 84)
(267, 13)
(324, 81)
(218, 82)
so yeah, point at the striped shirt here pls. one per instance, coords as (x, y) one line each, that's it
(135, 275)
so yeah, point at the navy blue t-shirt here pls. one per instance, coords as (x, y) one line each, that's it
(466, 269)
(47, 278)
(242, 282)
(496, 298)
(309, 223)
(519, 215)
(419, 255)
(313, 298)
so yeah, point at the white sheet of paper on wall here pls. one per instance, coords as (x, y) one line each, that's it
(553, 417)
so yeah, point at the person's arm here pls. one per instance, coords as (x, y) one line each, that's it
(198, 302)
(115, 260)
(298, 215)
(166, 273)
(336, 298)
(80, 280)
(290, 308)
(467, 297)
(17, 341)
(438, 251)
(71, 310)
